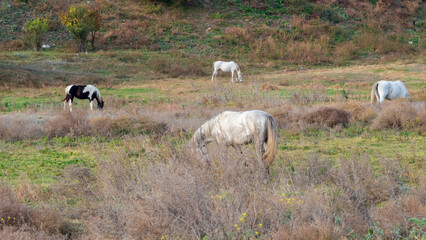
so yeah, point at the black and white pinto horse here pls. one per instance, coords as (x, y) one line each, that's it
(82, 92)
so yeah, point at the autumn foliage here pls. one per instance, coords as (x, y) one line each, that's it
(80, 21)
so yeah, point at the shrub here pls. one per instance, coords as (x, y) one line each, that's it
(68, 124)
(327, 116)
(80, 21)
(398, 115)
(14, 214)
(20, 126)
(34, 29)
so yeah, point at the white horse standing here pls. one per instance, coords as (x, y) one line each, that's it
(239, 128)
(83, 92)
(227, 67)
(388, 90)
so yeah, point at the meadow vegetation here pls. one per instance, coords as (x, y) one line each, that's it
(345, 169)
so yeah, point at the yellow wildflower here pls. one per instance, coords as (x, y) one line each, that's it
(257, 233)
(236, 225)
(241, 219)
(245, 214)
(260, 225)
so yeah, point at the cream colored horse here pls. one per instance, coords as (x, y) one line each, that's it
(382, 90)
(239, 128)
(227, 67)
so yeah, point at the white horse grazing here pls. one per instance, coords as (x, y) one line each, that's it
(82, 92)
(238, 128)
(388, 90)
(227, 67)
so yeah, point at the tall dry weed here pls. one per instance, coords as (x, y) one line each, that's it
(327, 116)
(17, 217)
(19, 126)
(74, 124)
(400, 115)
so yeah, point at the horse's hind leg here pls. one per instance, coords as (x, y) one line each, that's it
(70, 103)
(214, 74)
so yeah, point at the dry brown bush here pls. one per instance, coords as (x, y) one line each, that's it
(282, 115)
(43, 221)
(20, 126)
(74, 124)
(327, 116)
(399, 115)
(359, 112)
(363, 190)
(313, 219)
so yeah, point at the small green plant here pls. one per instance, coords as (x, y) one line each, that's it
(34, 29)
(80, 21)
(345, 93)
(419, 230)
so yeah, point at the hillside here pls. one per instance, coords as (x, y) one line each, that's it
(270, 32)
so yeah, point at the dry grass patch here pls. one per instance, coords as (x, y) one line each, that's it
(400, 115)
(18, 217)
(69, 124)
(327, 116)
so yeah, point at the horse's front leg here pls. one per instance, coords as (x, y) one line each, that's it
(65, 105)
(232, 76)
(91, 105)
(70, 104)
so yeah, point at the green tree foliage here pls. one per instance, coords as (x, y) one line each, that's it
(34, 29)
(80, 21)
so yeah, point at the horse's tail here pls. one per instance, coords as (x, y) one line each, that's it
(375, 93)
(271, 142)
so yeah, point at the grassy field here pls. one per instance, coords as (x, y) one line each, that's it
(128, 172)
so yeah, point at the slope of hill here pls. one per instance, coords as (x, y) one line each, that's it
(285, 31)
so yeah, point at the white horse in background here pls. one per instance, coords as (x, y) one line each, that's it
(239, 128)
(83, 92)
(227, 67)
(388, 90)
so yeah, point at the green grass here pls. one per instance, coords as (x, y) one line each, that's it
(41, 161)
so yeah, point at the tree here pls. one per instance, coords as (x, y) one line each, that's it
(34, 29)
(80, 21)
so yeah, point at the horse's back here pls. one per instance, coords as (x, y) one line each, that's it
(393, 89)
(247, 119)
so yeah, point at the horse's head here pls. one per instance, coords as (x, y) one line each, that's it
(101, 104)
